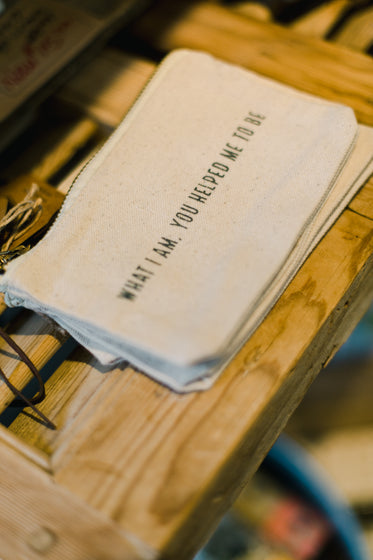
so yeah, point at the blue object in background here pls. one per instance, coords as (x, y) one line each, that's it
(288, 460)
(292, 468)
(360, 343)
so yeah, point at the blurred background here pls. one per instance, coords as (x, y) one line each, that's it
(312, 498)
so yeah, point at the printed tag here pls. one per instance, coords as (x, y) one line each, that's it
(38, 38)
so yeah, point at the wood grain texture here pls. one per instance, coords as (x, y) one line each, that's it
(24, 450)
(55, 157)
(159, 463)
(39, 339)
(306, 63)
(69, 391)
(39, 519)
(55, 138)
(107, 87)
(171, 461)
(357, 33)
(319, 21)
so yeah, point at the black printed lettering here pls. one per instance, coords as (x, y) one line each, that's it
(186, 213)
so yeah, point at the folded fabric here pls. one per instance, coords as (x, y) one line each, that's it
(181, 233)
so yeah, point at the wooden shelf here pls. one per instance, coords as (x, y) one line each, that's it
(133, 469)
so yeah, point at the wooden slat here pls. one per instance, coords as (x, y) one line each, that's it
(37, 457)
(309, 64)
(69, 390)
(357, 33)
(52, 143)
(39, 339)
(106, 88)
(53, 159)
(156, 461)
(65, 183)
(39, 519)
(186, 458)
(321, 20)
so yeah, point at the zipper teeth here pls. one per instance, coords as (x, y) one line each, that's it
(128, 115)
(237, 335)
(141, 94)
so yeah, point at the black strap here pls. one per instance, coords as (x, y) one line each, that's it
(22, 400)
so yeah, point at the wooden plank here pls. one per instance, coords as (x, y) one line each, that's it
(321, 20)
(254, 10)
(74, 384)
(106, 88)
(26, 451)
(53, 141)
(357, 33)
(39, 519)
(189, 456)
(68, 145)
(306, 63)
(39, 339)
(158, 462)
(48, 155)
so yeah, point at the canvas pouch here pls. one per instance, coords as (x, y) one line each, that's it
(182, 232)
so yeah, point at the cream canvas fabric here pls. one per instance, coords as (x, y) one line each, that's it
(181, 233)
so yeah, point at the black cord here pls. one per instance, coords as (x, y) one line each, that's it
(22, 400)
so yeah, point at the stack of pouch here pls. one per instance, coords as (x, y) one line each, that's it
(182, 232)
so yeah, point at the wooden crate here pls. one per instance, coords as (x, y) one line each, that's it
(134, 470)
